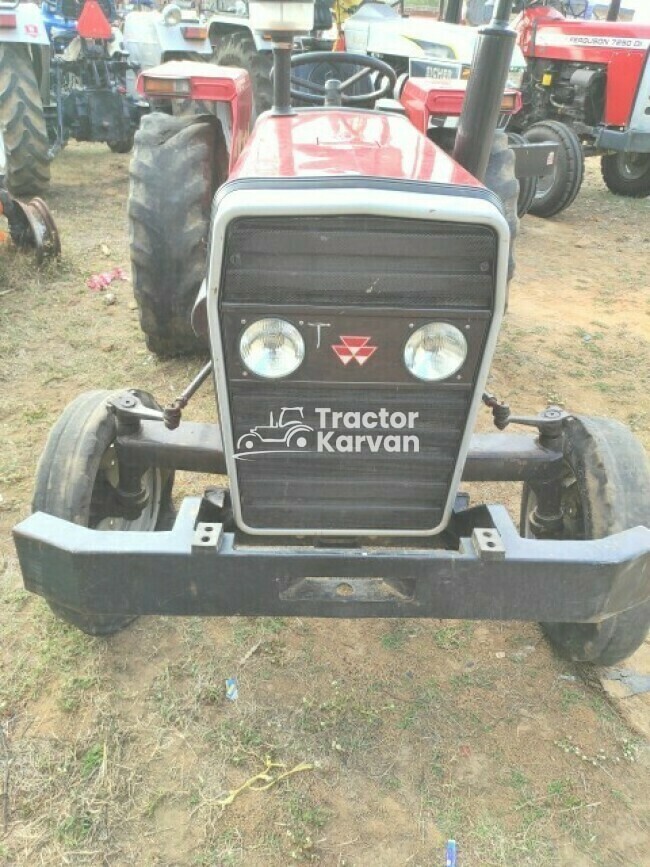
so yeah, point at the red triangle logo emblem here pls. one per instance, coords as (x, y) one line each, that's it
(354, 347)
(92, 23)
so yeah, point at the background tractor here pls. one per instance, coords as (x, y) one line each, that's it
(24, 90)
(237, 43)
(588, 82)
(50, 91)
(66, 72)
(332, 230)
(152, 37)
(30, 224)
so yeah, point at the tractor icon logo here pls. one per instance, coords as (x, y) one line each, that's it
(288, 432)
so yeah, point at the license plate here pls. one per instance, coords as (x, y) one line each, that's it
(439, 69)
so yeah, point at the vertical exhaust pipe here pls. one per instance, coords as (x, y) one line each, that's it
(487, 82)
(614, 10)
(453, 12)
(282, 45)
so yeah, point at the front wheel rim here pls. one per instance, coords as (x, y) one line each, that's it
(108, 474)
(633, 166)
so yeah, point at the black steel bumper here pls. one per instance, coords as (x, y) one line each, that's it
(199, 570)
(630, 141)
(534, 160)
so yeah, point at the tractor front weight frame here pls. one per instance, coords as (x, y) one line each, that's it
(479, 568)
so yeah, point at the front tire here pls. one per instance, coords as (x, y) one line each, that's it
(238, 49)
(606, 489)
(627, 174)
(177, 164)
(74, 480)
(555, 192)
(23, 122)
(121, 147)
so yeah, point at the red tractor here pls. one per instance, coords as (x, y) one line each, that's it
(588, 82)
(357, 276)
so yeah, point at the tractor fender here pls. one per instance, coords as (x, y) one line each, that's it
(30, 31)
(30, 27)
(150, 42)
(222, 26)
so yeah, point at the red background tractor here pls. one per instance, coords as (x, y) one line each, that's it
(589, 81)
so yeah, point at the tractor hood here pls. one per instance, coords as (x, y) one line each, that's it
(150, 41)
(380, 30)
(29, 28)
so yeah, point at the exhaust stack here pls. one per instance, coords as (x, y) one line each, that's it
(485, 88)
(614, 10)
(453, 11)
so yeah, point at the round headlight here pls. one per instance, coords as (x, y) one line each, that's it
(272, 348)
(172, 15)
(435, 351)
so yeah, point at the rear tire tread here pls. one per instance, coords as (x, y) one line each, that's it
(238, 49)
(169, 223)
(23, 122)
(500, 178)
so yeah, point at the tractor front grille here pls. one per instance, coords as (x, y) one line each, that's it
(366, 277)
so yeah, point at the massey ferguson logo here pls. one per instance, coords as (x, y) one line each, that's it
(334, 433)
(354, 347)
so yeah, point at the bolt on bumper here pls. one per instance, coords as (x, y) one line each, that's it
(197, 569)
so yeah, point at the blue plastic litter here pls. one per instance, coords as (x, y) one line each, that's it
(451, 853)
(232, 689)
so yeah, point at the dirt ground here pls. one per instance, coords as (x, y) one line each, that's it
(405, 733)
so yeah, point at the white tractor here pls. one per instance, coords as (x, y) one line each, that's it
(176, 33)
(237, 44)
(418, 45)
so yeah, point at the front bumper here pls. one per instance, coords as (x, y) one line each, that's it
(630, 141)
(197, 569)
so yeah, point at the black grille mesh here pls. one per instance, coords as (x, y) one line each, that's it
(360, 260)
(354, 491)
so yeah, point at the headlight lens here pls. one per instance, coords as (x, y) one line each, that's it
(172, 15)
(435, 351)
(272, 348)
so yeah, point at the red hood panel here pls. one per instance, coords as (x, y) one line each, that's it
(345, 143)
(615, 29)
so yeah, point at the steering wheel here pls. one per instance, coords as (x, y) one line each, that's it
(334, 92)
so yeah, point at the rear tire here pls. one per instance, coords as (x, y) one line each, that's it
(121, 147)
(500, 178)
(555, 192)
(23, 122)
(238, 49)
(177, 164)
(73, 482)
(627, 174)
(606, 489)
